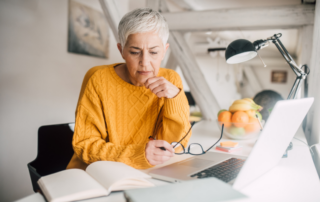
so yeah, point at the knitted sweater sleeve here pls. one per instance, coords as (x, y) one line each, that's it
(173, 122)
(90, 139)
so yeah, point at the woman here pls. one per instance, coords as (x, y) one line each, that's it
(121, 105)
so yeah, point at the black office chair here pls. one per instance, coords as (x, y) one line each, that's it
(54, 151)
(190, 98)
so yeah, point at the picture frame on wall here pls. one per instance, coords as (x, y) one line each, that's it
(279, 76)
(88, 31)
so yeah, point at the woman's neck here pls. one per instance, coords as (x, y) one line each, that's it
(123, 73)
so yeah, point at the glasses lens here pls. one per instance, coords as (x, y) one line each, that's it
(178, 148)
(195, 149)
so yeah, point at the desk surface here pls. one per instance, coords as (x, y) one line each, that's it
(293, 179)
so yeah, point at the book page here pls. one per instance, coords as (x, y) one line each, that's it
(70, 185)
(117, 176)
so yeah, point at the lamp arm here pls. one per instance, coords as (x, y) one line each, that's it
(291, 63)
(275, 38)
(288, 58)
(286, 55)
(295, 88)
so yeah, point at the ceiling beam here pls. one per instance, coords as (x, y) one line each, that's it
(187, 4)
(113, 15)
(192, 73)
(292, 16)
(171, 63)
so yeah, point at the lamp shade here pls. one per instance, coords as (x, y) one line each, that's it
(240, 50)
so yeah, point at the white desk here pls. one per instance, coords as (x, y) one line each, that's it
(293, 179)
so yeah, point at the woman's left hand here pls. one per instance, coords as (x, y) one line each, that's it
(162, 87)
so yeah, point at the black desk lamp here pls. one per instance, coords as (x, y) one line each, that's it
(242, 50)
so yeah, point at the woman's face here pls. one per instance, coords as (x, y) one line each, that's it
(143, 53)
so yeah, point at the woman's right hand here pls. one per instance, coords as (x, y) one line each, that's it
(157, 156)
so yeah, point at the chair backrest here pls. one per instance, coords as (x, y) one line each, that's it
(54, 151)
(190, 98)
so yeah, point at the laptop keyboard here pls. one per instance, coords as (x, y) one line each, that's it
(225, 171)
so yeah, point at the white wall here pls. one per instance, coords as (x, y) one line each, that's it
(39, 82)
(264, 74)
(215, 71)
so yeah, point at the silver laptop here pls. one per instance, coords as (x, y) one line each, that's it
(239, 171)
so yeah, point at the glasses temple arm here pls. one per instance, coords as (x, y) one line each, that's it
(218, 140)
(186, 134)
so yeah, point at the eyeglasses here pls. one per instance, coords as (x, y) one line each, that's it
(194, 148)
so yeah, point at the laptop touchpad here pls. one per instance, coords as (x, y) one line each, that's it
(196, 163)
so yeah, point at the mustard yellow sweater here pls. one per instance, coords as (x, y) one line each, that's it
(114, 119)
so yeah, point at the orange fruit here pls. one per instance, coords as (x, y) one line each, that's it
(252, 126)
(251, 113)
(240, 119)
(225, 117)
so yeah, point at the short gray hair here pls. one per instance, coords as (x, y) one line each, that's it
(142, 20)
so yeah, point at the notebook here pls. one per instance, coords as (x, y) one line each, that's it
(99, 179)
(210, 189)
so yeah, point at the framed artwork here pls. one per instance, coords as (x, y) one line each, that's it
(279, 76)
(88, 31)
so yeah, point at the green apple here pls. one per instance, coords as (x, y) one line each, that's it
(237, 131)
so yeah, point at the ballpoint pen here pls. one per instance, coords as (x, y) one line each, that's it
(162, 148)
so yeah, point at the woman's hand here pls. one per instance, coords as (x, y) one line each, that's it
(155, 155)
(162, 87)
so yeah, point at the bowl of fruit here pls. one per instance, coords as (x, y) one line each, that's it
(242, 120)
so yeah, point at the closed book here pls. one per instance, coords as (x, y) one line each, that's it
(204, 190)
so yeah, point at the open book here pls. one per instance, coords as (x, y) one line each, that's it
(99, 179)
